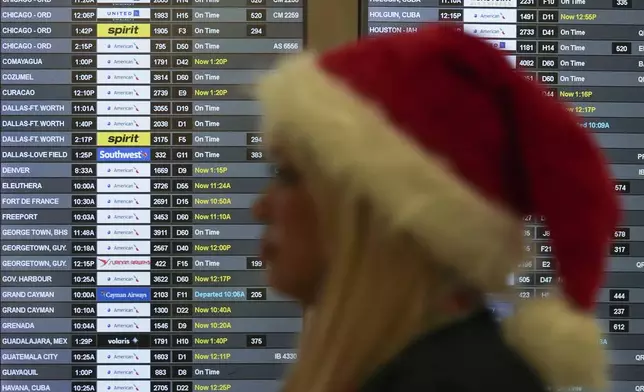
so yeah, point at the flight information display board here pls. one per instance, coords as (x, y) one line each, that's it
(130, 158)
(589, 53)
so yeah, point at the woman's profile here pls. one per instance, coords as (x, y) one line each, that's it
(404, 167)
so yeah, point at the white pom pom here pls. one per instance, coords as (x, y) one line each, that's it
(560, 343)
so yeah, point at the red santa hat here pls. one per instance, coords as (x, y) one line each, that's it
(455, 147)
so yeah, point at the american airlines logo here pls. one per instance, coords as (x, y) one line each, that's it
(124, 386)
(491, 15)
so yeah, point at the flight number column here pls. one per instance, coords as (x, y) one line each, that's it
(161, 299)
(527, 46)
(525, 279)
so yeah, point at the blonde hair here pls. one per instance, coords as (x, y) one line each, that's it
(378, 295)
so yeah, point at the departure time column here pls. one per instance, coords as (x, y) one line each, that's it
(84, 194)
(84, 311)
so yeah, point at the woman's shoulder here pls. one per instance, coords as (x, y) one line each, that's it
(469, 356)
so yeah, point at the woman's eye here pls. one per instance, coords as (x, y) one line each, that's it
(286, 175)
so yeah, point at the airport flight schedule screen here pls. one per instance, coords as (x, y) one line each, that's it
(130, 158)
(589, 53)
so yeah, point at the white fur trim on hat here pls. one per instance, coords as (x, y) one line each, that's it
(354, 143)
(562, 344)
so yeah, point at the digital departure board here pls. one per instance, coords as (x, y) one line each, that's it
(589, 53)
(130, 158)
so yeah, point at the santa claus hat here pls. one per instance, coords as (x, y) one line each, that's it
(454, 147)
